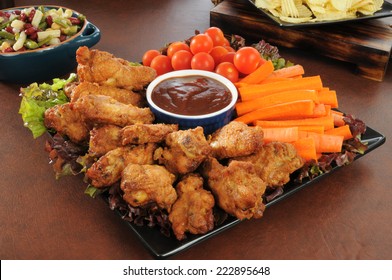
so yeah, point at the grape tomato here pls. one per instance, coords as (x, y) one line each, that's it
(246, 59)
(217, 36)
(201, 43)
(217, 52)
(181, 60)
(228, 70)
(203, 61)
(229, 57)
(148, 57)
(226, 43)
(175, 47)
(161, 64)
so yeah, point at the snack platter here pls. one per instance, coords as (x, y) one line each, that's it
(163, 247)
(135, 174)
(386, 11)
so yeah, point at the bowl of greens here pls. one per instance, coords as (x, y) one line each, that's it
(39, 43)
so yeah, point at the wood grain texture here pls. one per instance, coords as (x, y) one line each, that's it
(367, 44)
(344, 216)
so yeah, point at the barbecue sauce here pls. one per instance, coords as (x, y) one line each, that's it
(191, 96)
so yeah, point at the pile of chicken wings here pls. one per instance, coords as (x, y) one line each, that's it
(185, 172)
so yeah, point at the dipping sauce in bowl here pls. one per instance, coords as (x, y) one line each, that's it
(192, 98)
(191, 95)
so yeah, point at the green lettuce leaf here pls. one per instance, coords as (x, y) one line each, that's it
(36, 98)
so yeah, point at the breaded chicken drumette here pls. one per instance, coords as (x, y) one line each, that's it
(146, 133)
(104, 68)
(184, 150)
(143, 184)
(122, 95)
(236, 139)
(101, 109)
(274, 163)
(237, 188)
(193, 210)
(103, 139)
(107, 169)
(67, 122)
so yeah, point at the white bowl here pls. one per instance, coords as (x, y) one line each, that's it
(211, 121)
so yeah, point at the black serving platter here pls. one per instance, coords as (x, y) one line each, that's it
(162, 246)
(386, 11)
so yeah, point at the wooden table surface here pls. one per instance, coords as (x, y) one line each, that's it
(346, 215)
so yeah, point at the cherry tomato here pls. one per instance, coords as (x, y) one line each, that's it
(181, 60)
(226, 42)
(246, 59)
(201, 43)
(229, 48)
(217, 52)
(175, 47)
(203, 61)
(148, 56)
(161, 64)
(229, 57)
(228, 70)
(217, 36)
(261, 62)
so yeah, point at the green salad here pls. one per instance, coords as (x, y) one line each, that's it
(36, 98)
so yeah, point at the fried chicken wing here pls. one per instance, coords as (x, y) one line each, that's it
(274, 163)
(236, 139)
(185, 150)
(146, 133)
(193, 210)
(107, 169)
(105, 69)
(143, 184)
(237, 188)
(122, 95)
(69, 87)
(67, 122)
(104, 139)
(106, 110)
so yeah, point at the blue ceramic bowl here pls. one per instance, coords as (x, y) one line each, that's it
(47, 63)
(210, 122)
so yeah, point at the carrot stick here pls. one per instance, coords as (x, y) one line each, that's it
(239, 84)
(338, 112)
(325, 143)
(341, 130)
(259, 74)
(294, 109)
(329, 97)
(312, 128)
(329, 143)
(319, 110)
(326, 122)
(296, 77)
(277, 79)
(306, 148)
(280, 134)
(274, 99)
(254, 91)
(328, 109)
(288, 72)
(338, 118)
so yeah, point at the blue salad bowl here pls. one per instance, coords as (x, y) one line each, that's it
(44, 64)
